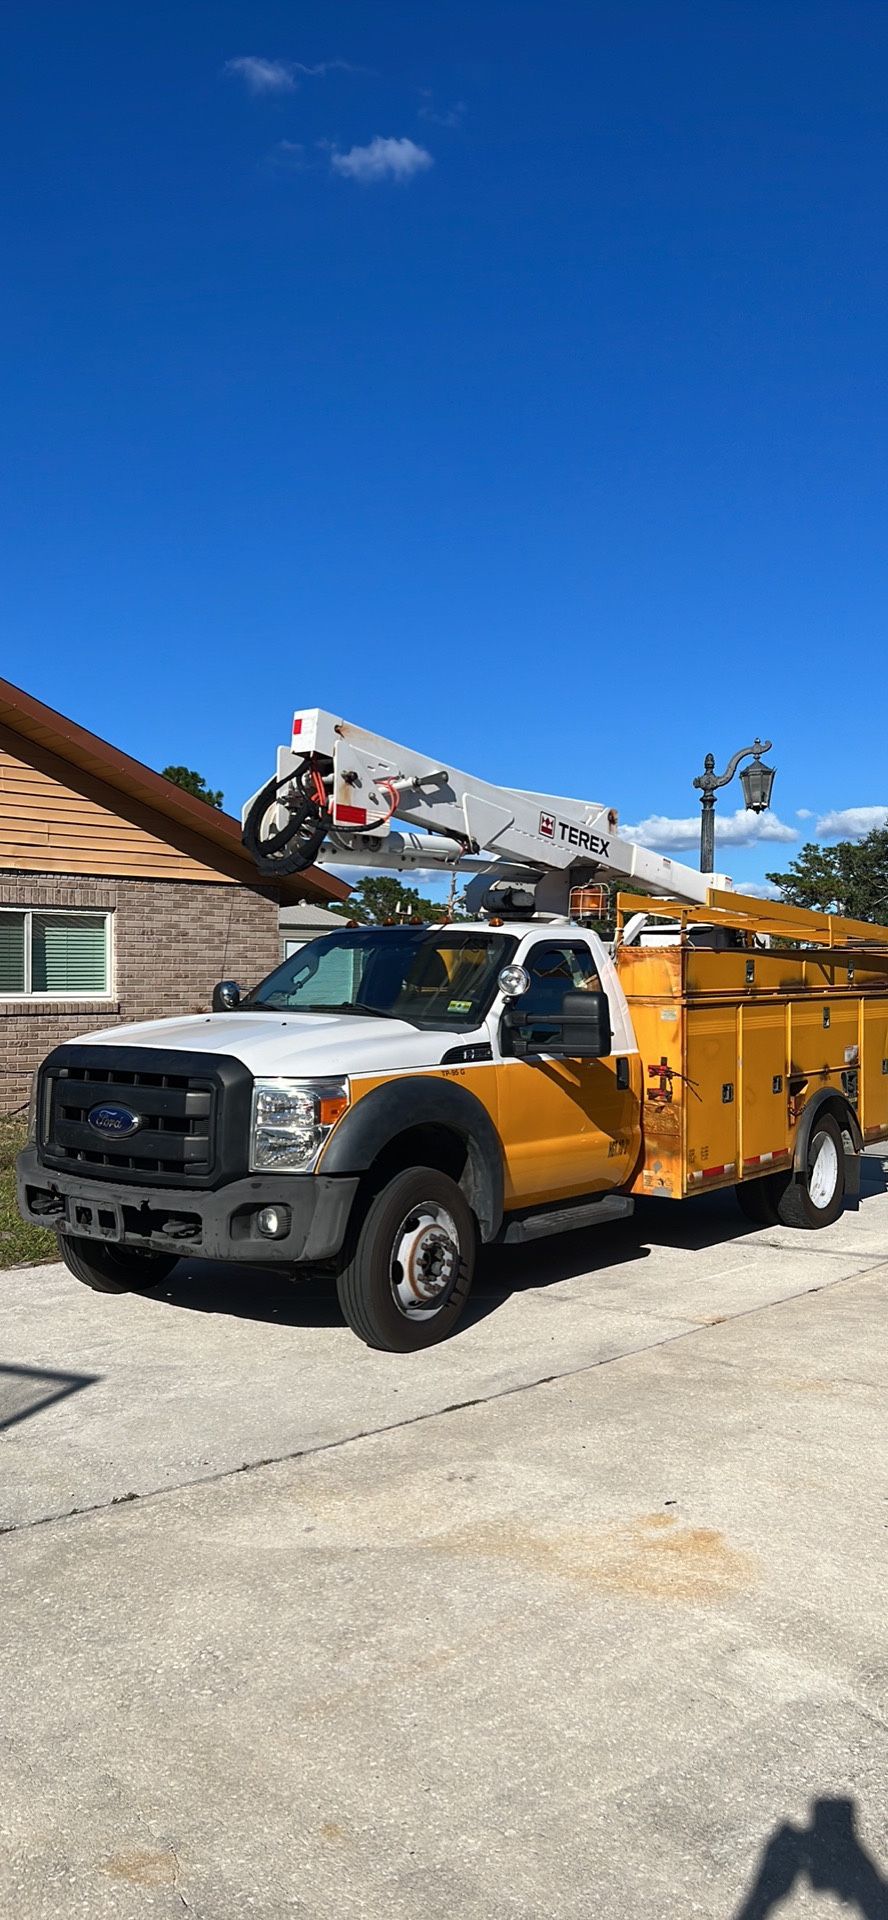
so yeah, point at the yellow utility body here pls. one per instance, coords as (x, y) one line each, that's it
(738, 1043)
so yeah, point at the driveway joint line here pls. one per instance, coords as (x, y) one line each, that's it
(688, 1331)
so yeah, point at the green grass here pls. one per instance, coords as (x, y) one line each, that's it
(18, 1240)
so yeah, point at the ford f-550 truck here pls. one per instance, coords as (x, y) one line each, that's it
(391, 1099)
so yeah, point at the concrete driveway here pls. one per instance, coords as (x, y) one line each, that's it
(581, 1614)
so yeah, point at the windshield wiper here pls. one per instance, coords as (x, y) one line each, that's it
(379, 1013)
(345, 1006)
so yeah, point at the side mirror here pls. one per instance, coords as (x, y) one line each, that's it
(226, 996)
(581, 1030)
(585, 1026)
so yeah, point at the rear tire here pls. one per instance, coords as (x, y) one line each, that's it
(411, 1266)
(816, 1198)
(114, 1269)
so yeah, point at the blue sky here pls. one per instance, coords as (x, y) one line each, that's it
(510, 378)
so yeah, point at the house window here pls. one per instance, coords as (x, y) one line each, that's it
(59, 956)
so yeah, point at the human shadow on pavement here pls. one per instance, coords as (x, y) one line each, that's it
(829, 1854)
(25, 1391)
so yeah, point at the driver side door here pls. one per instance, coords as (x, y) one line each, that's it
(567, 1126)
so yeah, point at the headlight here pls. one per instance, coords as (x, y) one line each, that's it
(291, 1120)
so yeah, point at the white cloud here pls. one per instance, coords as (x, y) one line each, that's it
(325, 66)
(407, 875)
(382, 160)
(263, 76)
(287, 155)
(740, 829)
(804, 813)
(279, 76)
(450, 117)
(851, 823)
(758, 889)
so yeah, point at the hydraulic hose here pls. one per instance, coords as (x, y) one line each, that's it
(281, 850)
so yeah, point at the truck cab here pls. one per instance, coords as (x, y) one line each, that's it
(387, 1099)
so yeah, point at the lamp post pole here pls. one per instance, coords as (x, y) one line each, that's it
(756, 780)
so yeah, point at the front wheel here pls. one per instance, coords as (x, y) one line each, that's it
(410, 1271)
(816, 1199)
(114, 1269)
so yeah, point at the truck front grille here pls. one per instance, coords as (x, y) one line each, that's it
(192, 1112)
(176, 1113)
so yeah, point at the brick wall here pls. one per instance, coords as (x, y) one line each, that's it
(172, 940)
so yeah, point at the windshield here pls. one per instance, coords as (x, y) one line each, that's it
(430, 976)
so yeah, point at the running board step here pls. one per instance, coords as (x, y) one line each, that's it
(592, 1213)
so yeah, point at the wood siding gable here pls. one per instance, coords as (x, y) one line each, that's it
(54, 818)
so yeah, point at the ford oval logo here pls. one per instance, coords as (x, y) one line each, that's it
(117, 1120)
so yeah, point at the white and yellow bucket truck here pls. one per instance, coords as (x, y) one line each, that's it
(392, 1099)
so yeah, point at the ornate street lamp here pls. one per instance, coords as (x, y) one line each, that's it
(757, 781)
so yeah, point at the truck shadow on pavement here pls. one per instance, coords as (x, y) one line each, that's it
(262, 1294)
(873, 1174)
(828, 1853)
(709, 1220)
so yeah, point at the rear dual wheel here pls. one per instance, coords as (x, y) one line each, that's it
(813, 1199)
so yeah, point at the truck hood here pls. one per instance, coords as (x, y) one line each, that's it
(288, 1044)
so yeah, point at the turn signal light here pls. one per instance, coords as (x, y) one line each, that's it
(331, 1109)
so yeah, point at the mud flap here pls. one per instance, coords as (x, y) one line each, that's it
(852, 1180)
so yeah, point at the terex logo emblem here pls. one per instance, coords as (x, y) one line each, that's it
(579, 837)
(552, 829)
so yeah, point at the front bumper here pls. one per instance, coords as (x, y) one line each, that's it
(196, 1225)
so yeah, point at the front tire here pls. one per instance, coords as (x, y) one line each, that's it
(114, 1269)
(816, 1199)
(409, 1273)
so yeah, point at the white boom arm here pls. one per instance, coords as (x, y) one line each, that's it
(339, 790)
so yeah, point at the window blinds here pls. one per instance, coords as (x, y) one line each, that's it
(68, 953)
(12, 953)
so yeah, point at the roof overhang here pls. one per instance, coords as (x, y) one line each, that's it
(121, 776)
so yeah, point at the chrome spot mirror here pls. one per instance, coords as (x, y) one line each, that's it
(513, 981)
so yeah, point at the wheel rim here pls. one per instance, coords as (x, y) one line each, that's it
(425, 1261)
(823, 1170)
